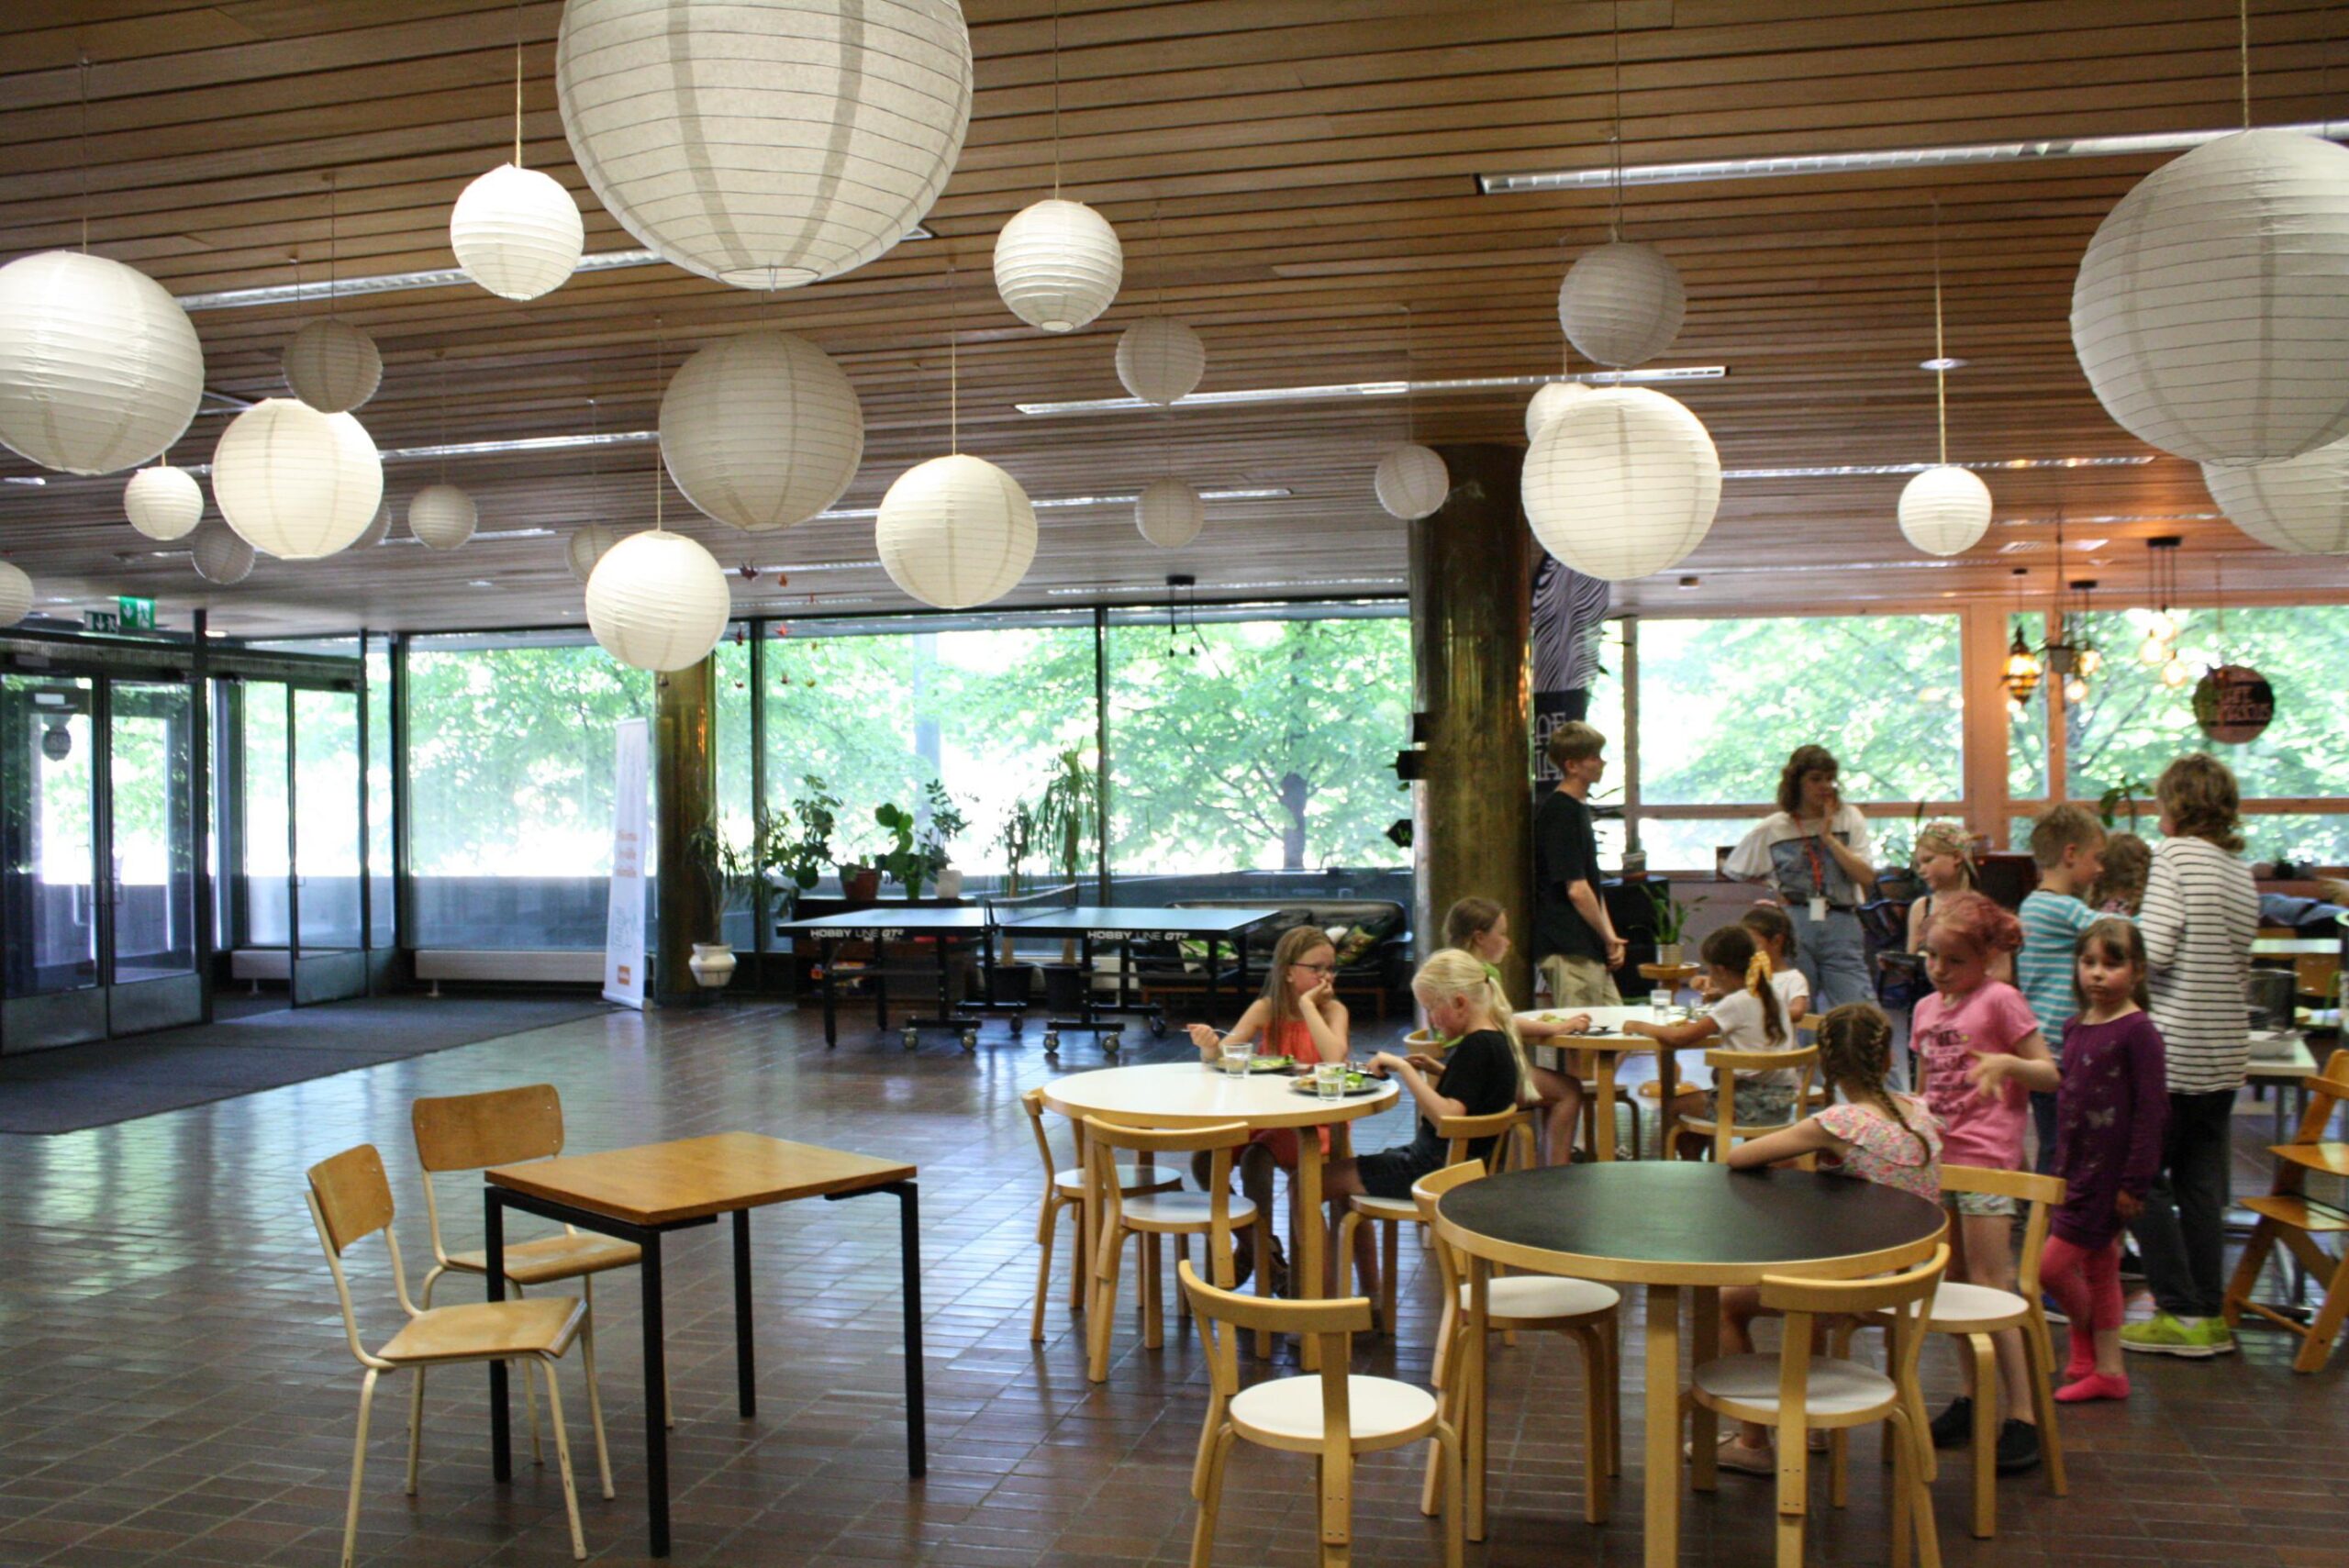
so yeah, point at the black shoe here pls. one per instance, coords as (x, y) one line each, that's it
(2017, 1447)
(1280, 1269)
(2132, 1267)
(1954, 1428)
(1244, 1259)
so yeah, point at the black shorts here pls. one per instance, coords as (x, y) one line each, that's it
(1390, 1173)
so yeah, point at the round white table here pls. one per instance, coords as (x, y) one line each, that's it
(1185, 1094)
(1603, 1049)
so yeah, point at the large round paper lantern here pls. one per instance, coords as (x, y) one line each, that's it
(1549, 403)
(16, 594)
(2211, 310)
(517, 232)
(2299, 506)
(333, 366)
(378, 527)
(1169, 513)
(164, 503)
(221, 556)
(765, 143)
(761, 430)
(1944, 510)
(99, 368)
(587, 546)
(296, 482)
(441, 516)
(955, 531)
(658, 601)
(1624, 482)
(1159, 359)
(1058, 264)
(1622, 304)
(1411, 482)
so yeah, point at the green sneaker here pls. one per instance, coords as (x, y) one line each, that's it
(2163, 1335)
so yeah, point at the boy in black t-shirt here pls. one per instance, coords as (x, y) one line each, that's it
(1574, 942)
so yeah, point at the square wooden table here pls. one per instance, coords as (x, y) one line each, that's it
(640, 1195)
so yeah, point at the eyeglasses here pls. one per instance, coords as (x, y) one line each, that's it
(1316, 968)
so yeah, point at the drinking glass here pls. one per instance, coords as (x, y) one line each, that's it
(1660, 1004)
(1236, 1055)
(1330, 1080)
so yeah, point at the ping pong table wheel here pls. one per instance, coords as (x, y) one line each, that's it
(1111, 1041)
(1052, 1042)
(912, 1037)
(970, 1040)
(1157, 1028)
(1018, 1023)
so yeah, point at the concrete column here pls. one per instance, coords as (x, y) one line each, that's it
(684, 775)
(1471, 620)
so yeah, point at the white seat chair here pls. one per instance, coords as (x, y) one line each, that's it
(1148, 1216)
(1512, 1134)
(1065, 1189)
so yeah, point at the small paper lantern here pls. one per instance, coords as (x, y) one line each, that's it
(2299, 505)
(1160, 360)
(441, 516)
(587, 546)
(658, 601)
(765, 143)
(333, 366)
(1411, 482)
(1944, 510)
(1549, 403)
(2211, 309)
(296, 482)
(16, 594)
(761, 430)
(517, 232)
(1169, 514)
(955, 531)
(221, 556)
(1622, 304)
(164, 503)
(1623, 484)
(100, 370)
(1058, 264)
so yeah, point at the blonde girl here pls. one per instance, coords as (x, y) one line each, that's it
(1745, 1011)
(1945, 860)
(1479, 928)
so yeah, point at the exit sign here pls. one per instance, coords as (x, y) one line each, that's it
(101, 620)
(135, 614)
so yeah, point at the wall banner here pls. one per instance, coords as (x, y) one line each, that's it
(624, 922)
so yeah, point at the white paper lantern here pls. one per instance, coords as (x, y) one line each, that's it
(1624, 482)
(658, 601)
(765, 143)
(441, 516)
(761, 430)
(333, 366)
(2299, 506)
(1622, 304)
(164, 503)
(1944, 510)
(1169, 513)
(517, 232)
(1159, 359)
(100, 370)
(378, 527)
(1411, 482)
(221, 556)
(955, 531)
(587, 546)
(2211, 310)
(1058, 264)
(296, 482)
(16, 594)
(1549, 403)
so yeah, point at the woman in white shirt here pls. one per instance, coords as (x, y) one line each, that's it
(1813, 852)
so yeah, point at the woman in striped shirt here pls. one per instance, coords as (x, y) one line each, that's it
(2199, 914)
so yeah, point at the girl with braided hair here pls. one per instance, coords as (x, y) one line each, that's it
(1743, 1008)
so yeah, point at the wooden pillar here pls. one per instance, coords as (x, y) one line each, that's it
(1472, 581)
(1982, 649)
(685, 776)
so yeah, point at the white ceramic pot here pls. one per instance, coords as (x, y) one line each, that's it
(1667, 953)
(712, 963)
(950, 882)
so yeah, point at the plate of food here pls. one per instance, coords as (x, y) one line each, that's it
(1422, 1040)
(1356, 1083)
(1271, 1063)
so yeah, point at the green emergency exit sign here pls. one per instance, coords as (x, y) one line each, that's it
(136, 615)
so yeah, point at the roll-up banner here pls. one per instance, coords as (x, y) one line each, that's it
(624, 922)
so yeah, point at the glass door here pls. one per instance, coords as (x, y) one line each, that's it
(329, 929)
(150, 939)
(50, 886)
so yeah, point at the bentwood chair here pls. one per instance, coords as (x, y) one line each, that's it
(1583, 1310)
(1064, 1188)
(1797, 1391)
(1330, 1413)
(350, 1200)
(1148, 1216)
(1512, 1135)
(2288, 1215)
(1721, 1127)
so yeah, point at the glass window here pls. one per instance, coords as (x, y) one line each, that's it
(266, 821)
(381, 912)
(1691, 844)
(48, 796)
(2300, 838)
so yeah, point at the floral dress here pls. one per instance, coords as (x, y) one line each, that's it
(1886, 1152)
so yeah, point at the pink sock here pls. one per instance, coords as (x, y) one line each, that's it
(2081, 1360)
(2095, 1386)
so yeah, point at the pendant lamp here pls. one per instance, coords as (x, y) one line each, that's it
(1623, 484)
(955, 531)
(658, 601)
(16, 594)
(441, 516)
(2298, 505)
(164, 503)
(294, 483)
(333, 366)
(1169, 513)
(100, 369)
(1160, 360)
(1411, 482)
(1943, 510)
(221, 556)
(761, 430)
(1058, 264)
(1622, 304)
(1554, 399)
(587, 546)
(517, 232)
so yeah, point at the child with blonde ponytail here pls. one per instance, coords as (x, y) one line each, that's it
(1744, 1010)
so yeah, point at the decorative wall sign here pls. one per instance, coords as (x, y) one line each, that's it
(2233, 703)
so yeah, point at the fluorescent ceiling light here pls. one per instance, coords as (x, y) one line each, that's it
(825, 566)
(1223, 587)
(1697, 170)
(814, 600)
(1855, 469)
(1944, 363)
(1052, 503)
(24, 479)
(1379, 389)
(522, 444)
(479, 538)
(2109, 517)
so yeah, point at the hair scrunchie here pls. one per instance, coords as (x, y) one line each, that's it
(1758, 971)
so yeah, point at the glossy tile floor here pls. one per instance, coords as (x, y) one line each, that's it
(175, 1388)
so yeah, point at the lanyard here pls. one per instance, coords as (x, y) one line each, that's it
(1817, 866)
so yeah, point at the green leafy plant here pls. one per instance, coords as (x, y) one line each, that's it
(1671, 917)
(1067, 819)
(917, 850)
(1018, 840)
(2123, 796)
(732, 869)
(797, 844)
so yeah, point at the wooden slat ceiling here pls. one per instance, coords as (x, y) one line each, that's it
(1293, 176)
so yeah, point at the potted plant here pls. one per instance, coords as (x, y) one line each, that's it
(917, 850)
(2120, 797)
(796, 846)
(1067, 821)
(1011, 980)
(1896, 853)
(732, 871)
(1671, 924)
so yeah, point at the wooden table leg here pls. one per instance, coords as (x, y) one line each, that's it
(1602, 1126)
(1472, 1431)
(1704, 1424)
(1662, 1546)
(1312, 1236)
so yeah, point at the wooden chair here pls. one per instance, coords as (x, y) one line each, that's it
(1584, 1310)
(1726, 1133)
(1510, 1131)
(1329, 1414)
(1150, 1215)
(1065, 1189)
(2288, 1215)
(350, 1200)
(1796, 1391)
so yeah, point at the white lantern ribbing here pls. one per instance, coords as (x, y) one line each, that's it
(1411, 482)
(221, 556)
(587, 546)
(100, 369)
(1622, 304)
(1058, 264)
(2211, 310)
(164, 503)
(955, 531)
(1169, 513)
(441, 516)
(16, 594)
(765, 143)
(2299, 506)
(1946, 511)
(658, 601)
(1549, 403)
(761, 430)
(517, 232)
(296, 482)
(1159, 359)
(333, 366)
(1624, 482)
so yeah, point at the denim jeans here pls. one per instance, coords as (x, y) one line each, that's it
(2182, 1232)
(1833, 957)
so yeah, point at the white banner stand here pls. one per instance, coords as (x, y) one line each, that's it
(624, 920)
